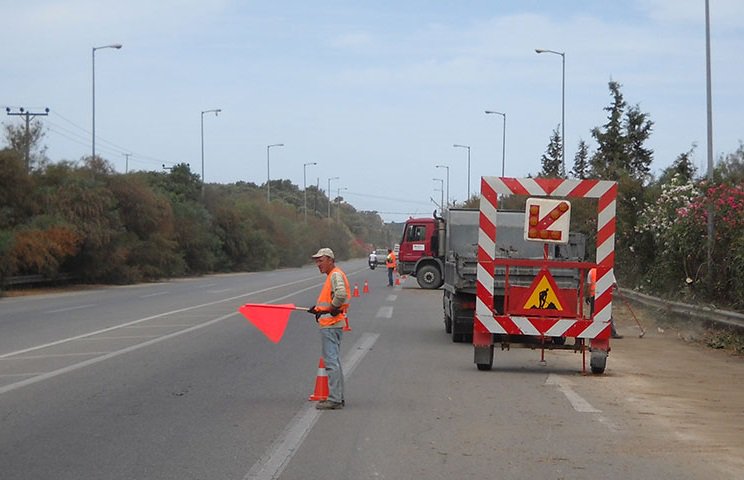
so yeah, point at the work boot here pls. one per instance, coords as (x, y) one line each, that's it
(329, 405)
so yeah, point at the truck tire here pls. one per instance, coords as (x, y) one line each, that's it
(447, 324)
(429, 277)
(598, 361)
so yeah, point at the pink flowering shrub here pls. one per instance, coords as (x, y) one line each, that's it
(677, 224)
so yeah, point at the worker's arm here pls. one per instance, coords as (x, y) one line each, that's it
(338, 289)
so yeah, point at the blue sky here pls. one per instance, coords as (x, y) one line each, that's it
(375, 92)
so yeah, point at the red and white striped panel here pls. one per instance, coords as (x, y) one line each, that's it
(605, 192)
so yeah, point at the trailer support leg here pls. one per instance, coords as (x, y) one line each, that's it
(542, 350)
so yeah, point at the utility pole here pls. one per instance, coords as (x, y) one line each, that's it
(27, 136)
(126, 165)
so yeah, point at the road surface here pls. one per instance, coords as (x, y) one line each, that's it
(167, 381)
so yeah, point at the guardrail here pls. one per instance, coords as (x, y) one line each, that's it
(723, 317)
(35, 279)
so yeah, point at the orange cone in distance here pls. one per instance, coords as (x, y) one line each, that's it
(397, 280)
(365, 289)
(356, 290)
(321, 384)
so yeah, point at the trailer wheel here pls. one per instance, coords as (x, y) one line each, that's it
(429, 277)
(483, 357)
(598, 361)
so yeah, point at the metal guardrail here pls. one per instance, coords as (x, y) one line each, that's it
(724, 317)
(35, 279)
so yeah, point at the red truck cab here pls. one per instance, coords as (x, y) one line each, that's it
(420, 254)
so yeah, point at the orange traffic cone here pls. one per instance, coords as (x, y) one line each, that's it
(356, 290)
(321, 383)
(397, 280)
(346, 328)
(365, 289)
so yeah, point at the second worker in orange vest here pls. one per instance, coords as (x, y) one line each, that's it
(390, 264)
(330, 313)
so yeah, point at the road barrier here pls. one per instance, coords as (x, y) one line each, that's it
(721, 317)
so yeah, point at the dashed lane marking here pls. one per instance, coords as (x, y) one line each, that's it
(385, 312)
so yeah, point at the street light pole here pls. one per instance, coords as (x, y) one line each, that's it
(441, 190)
(468, 147)
(329, 195)
(216, 112)
(268, 172)
(709, 122)
(563, 102)
(93, 64)
(304, 184)
(447, 167)
(503, 140)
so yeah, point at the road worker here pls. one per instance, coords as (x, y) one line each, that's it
(390, 262)
(330, 313)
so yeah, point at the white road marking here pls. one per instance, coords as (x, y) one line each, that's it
(52, 355)
(69, 309)
(151, 317)
(221, 291)
(92, 361)
(385, 312)
(275, 460)
(391, 298)
(576, 400)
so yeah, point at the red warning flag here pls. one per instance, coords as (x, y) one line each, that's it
(270, 319)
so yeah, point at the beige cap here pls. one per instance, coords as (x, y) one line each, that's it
(324, 252)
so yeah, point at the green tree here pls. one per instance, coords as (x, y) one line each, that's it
(637, 131)
(552, 159)
(610, 156)
(581, 161)
(27, 143)
(681, 170)
(16, 203)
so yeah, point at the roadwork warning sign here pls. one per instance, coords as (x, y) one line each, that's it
(543, 294)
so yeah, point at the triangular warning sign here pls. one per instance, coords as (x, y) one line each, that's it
(543, 294)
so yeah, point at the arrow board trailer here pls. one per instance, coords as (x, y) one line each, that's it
(543, 313)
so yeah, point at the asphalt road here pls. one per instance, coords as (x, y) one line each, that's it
(167, 381)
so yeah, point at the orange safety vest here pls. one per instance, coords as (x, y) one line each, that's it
(592, 282)
(390, 260)
(326, 297)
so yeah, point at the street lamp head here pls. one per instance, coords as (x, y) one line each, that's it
(540, 50)
(113, 45)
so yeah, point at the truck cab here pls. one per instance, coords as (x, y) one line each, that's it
(420, 254)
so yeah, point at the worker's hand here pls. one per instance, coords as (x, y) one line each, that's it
(314, 311)
(335, 311)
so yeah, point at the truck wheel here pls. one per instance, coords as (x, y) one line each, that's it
(598, 361)
(428, 277)
(447, 324)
